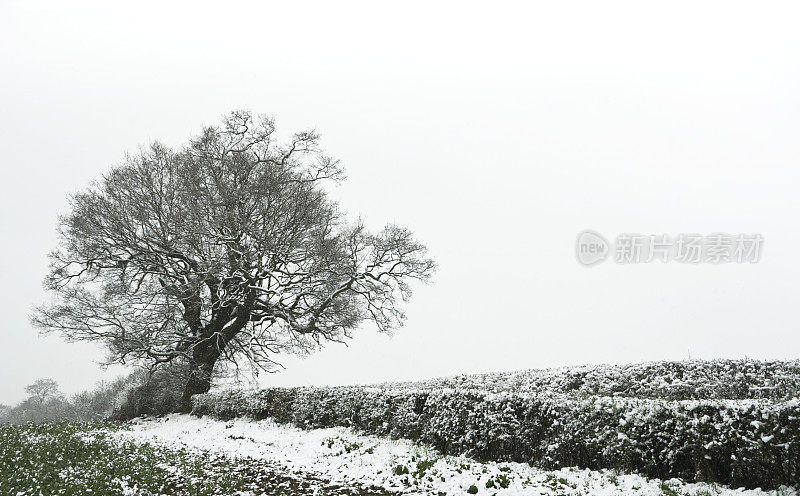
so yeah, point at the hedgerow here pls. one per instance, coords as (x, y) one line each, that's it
(682, 380)
(749, 443)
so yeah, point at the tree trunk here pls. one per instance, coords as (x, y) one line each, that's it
(199, 380)
(205, 356)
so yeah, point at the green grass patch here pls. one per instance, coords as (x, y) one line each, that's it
(86, 459)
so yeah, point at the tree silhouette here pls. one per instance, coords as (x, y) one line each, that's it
(226, 249)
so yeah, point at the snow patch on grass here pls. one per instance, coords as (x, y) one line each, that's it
(342, 456)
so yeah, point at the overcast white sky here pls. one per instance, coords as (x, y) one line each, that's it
(496, 132)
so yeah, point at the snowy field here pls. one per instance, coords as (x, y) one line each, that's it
(344, 457)
(71, 459)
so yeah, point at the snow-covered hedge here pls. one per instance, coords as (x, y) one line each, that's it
(751, 443)
(684, 380)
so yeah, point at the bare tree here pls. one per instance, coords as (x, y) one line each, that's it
(224, 250)
(42, 390)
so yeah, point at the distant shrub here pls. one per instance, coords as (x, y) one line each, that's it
(49, 405)
(153, 394)
(99, 403)
(33, 410)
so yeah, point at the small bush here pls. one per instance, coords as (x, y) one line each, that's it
(400, 470)
(153, 394)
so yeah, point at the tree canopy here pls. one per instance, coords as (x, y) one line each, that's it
(227, 249)
(42, 389)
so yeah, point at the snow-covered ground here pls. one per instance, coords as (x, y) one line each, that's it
(342, 456)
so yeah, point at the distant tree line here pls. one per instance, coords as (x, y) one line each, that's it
(139, 393)
(46, 403)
